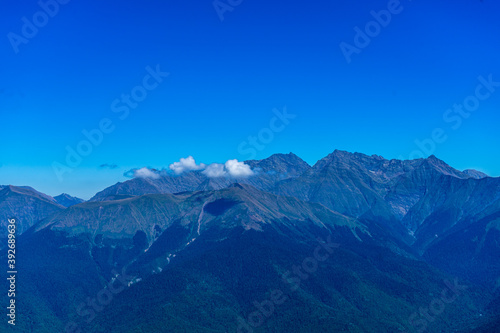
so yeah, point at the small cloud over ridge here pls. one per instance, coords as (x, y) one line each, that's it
(214, 170)
(238, 169)
(146, 173)
(232, 168)
(186, 164)
(143, 173)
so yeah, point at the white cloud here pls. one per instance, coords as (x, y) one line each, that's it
(238, 169)
(231, 168)
(146, 173)
(186, 164)
(215, 170)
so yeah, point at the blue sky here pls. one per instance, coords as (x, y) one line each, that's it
(227, 76)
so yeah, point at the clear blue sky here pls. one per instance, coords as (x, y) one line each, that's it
(226, 77)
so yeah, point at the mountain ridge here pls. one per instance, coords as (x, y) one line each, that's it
(26, 205)
(403, 227)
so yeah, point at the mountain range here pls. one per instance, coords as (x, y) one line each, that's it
(354, 243)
